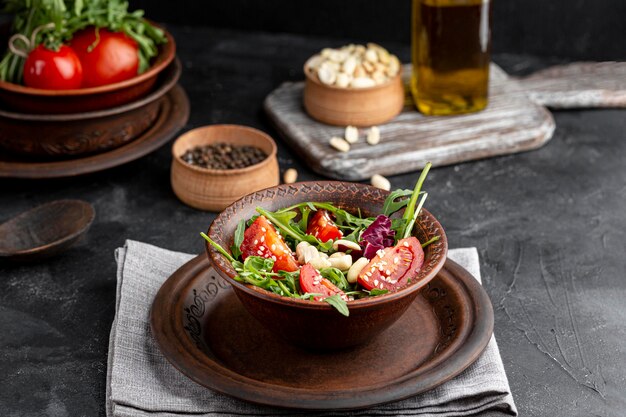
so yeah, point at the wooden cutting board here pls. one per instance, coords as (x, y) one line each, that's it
(511, 123)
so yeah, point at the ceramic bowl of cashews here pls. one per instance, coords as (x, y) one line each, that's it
(357, 85)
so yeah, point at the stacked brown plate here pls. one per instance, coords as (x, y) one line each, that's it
(42, 125)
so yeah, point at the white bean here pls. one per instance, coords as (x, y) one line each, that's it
(355, 269)
(381, 182)
(290, 176)
(346, 243)
(339, 144)
(300, 251)
(320, 263)
(342, 263)
(310, 253)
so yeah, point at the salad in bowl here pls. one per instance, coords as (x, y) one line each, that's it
(296, 253)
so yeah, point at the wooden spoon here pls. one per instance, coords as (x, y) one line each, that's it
(45, 230)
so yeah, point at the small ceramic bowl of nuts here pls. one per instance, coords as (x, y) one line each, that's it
(213, 166)
(359, 85)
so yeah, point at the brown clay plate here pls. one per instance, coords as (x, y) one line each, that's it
(173, 114)
(205, 332)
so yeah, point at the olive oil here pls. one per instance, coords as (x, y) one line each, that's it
(451, 53)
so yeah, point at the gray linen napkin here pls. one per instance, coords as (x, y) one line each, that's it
(142, 383)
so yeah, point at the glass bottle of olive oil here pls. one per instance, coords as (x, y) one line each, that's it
(451, 53)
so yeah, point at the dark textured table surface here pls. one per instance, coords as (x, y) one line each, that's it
(550, 226)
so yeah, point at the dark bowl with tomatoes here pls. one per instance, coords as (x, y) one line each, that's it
(49, 100)
(316, 325)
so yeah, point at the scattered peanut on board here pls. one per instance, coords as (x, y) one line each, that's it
(290, 176)
(381, 182)
(340, 144)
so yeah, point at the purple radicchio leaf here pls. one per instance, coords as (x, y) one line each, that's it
(377, 236)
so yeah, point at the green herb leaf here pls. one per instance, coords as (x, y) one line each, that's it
(409, 226)
(429, 241)
(335, 276)
(218, 247)
(409, 212)
(395, 201)
(238, 239)
(284, 221)
(377, 291)
(339, 304)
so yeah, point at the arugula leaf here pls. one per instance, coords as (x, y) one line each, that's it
(284, 221)
(336, 277)
(252, 220)
(339, 304)
(234, 249)
(377, 291)
(218, 247)
(409, 212)
(304, 218)
(310, 296)
(409, 226)
(395, 201)
(416, 192)
(431, 240)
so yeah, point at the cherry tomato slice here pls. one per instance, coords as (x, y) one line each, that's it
(107, 57)
(53, 70)
(311, 281)
(261, 239)
(322, 227)
(392, 267)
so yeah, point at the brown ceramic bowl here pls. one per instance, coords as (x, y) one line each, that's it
(353, 106)
(59, 136)
(213, 189)
(311, 324)
(39, 101)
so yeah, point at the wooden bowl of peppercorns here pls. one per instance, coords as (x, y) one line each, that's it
(213, 166)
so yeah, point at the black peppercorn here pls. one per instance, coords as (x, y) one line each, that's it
(224, 156)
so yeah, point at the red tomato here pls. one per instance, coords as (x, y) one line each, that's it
(392, 267)
(53, 70)
(322, 227)
(108, 58)
(313, 282)
(261, 239)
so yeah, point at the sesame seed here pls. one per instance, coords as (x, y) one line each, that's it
(274, 258)
(388, 272)
(273, 247)
(406, 244)
(262, 238)
(263, 229)
(256, 242)
(260, 252)
(396, 260)
(381, 286)
(375, 282)
(366, 279)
